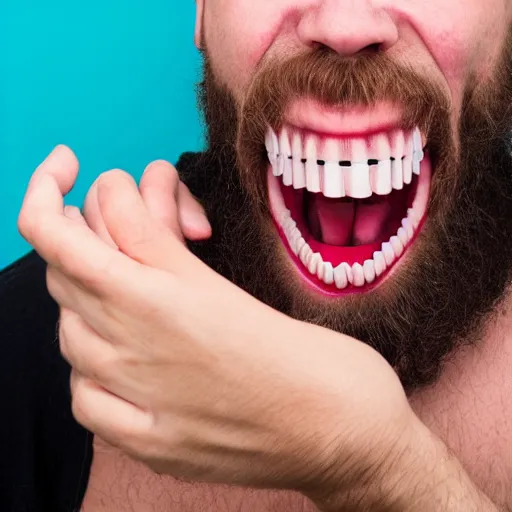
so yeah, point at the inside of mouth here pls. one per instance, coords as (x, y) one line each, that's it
(346, 229)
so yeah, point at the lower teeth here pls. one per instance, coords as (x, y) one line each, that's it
(356, 274)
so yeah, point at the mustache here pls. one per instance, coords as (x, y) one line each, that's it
(336, 81)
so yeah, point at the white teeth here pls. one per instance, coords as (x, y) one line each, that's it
(382, 183)
(340, 277)
(358, 273)
(407, 162)
(344, 274)
(358, 174)
(359, 181)
(397, 245)
(314, 261)
(294, 240)
(412, 218)
(328, 273)
(320, 270)
(348, 272)
(356, 168)
(418, 154)
(285, 152)
(299, 170)
(416, 164)
(389, 253)
(397, 173)
(280, 165)
(392, 165)
(333, 180)
(312, 171)
(380, 263)
(270, 148)
(416, 141)
(402, 235)
(333, 185)
(299, 245)
(304, 253)
(289, 224)
(285, 215)
(409, 228)
(369, 271)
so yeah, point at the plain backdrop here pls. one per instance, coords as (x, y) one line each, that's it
(115, 80)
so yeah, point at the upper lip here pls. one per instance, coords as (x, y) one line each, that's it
(348, 122)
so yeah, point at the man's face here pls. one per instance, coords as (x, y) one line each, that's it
(447, 41)
(370, 141)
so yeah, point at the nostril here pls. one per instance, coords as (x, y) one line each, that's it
(372, 48)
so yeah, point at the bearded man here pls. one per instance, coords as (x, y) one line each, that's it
(333, 331)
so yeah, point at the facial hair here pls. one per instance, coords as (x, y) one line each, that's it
(458, 270)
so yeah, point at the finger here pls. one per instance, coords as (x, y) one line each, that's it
(159, 190)
(194, 223)
(169, 201)
(61, 165)
(94, 217)
(97, 313)
(116, 421)
(62, 242)
(74, 213)
(88, 353)
(131, 227)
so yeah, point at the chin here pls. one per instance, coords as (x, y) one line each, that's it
(347, 207)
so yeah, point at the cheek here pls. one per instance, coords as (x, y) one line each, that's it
(239, 34)
(465, 41)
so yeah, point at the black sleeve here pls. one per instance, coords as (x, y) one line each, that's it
(45, 456)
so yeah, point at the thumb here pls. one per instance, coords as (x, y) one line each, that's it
(131, 227)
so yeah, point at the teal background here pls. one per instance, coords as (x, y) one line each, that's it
(113, 79)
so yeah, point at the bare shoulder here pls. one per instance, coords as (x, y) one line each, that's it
(470, 407)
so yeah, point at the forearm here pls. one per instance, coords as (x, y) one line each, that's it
(437, 481)
(424, 476)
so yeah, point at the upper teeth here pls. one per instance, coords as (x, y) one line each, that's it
(348, 167)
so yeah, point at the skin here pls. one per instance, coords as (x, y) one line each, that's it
(134, 302)
(466, 412)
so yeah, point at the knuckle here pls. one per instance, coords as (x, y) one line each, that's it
(25, 223)
(52, 283)
(79, 404)
(66, 333)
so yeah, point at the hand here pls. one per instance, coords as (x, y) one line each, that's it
(183, 370)
(167, 200)
(163, 195)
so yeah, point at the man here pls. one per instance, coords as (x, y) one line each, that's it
(358, 184)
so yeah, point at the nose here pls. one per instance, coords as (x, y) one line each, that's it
(348, 27)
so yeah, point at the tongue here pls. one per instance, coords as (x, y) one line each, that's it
(345, 222)
(335, 218)
(371, 221)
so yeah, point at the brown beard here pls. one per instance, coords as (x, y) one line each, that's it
(459, 268)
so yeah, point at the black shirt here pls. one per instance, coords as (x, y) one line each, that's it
(45, 456)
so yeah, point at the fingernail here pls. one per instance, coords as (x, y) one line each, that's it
(53, 152)
(72, 212)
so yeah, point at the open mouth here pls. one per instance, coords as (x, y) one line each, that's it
(347, 208)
